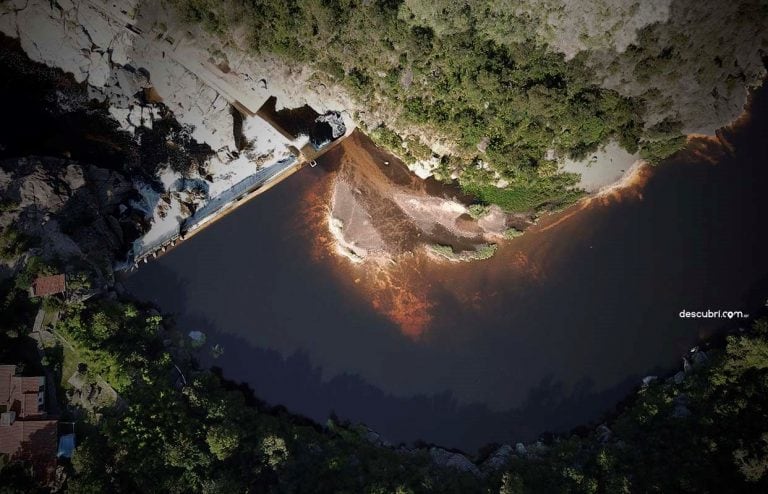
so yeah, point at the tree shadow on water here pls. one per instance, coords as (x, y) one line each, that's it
(296, 382)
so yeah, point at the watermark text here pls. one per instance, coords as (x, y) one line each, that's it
(713, 314)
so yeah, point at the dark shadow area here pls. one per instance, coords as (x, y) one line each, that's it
(297, 121)
(36, 125)
(52, 115)
(294, 382)
(37, 447)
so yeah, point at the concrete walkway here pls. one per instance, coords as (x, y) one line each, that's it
(52, 402)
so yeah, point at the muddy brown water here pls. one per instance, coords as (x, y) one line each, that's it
(551, 333)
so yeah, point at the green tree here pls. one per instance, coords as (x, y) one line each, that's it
(222, 440)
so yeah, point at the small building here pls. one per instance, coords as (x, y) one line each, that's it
(27, 433)
(45, 286)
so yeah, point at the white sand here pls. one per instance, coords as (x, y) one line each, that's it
(603, 168)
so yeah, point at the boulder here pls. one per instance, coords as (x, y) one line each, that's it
(374, 437)
(198, 338)
(499, 458)
(537, 449)
(445, 458)
(336, 121)
(99, 29)
(679, 377)
(604, 433)
(687, 365)
(47, 38)
(130, 82)
(647, 380)
(699, 358)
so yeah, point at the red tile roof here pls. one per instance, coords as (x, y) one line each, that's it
(32, 441)
(6, 380)
(30, 406)
(20, 394)
(32, 437)
(49, 285)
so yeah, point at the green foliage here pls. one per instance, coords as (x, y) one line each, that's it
(484, 252)
(417, 150)
(206, 438)
(273, 448)
(477, 211)
(222, 441)
(12, 243)
(481, 253)
(656, 150)
(410, 149)
(112, 338)
(554, 192)
(443, 250)
(34, 267)
(16, 478)
(17, 311)
(511, 233)
(661, 140)
(722, 446)
(7, 204)
(387, 138)
(78, 282)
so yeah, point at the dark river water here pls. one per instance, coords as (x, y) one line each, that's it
(551, 333)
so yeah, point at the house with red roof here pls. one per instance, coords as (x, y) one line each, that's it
(27, 433)
(45, 286)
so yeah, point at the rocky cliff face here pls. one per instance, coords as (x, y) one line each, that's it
(75, 214)
(186, 97)
(138, 52)
(67, 171)
(100, 43)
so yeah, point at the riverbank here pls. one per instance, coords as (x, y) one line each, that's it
(470, 230)
(650, 441)
(379, 210)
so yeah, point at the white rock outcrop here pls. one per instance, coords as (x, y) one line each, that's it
(121, 48)
(139, 57)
